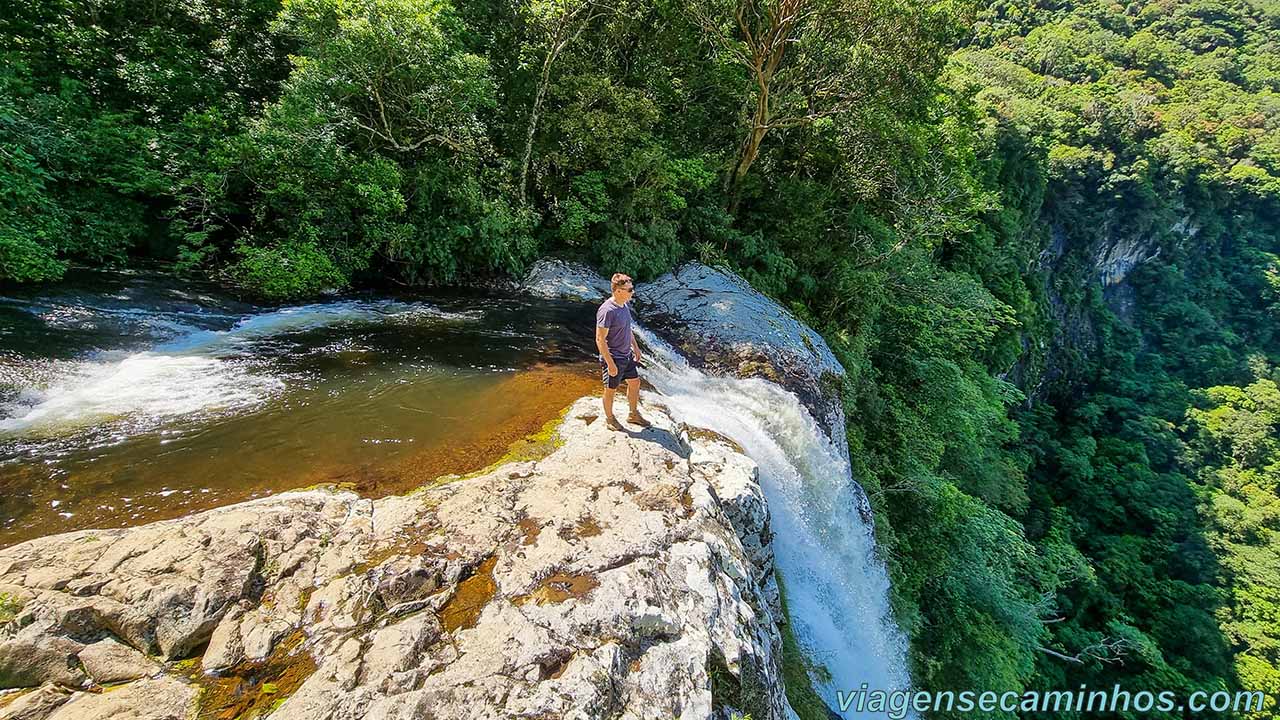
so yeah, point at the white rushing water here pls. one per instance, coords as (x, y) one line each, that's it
(198, 371)
(837, 589)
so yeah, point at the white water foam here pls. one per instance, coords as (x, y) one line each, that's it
(155, 386)
(309, 317)
(199, 372)
(837, 588)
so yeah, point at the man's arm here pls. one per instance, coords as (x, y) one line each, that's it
(635, 348)
(602, 334)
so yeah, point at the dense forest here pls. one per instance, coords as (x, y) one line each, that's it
(1042, 238)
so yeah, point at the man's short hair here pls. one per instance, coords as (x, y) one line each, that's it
(618, 280)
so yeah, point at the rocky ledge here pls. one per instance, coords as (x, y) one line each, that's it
(623, 575)
(722, 325)
(555, 278)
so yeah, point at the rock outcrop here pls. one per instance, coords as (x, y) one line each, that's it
(563, 280)
(624, 575)
(721, 324)
(1069, 266)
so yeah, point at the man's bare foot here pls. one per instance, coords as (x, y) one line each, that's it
(613, 424)
(636, 418)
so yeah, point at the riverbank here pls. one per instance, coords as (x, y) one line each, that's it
(620, 574)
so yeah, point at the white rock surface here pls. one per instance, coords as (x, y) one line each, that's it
(160, 699)
(108, 661)
(613, 578)
(34, 705)
(561, 279)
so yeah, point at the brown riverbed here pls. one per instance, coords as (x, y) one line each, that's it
(127, 398)
(389, 443)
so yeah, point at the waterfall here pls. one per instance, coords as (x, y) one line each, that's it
(837, 588)
(197, 364)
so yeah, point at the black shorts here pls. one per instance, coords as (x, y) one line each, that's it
(627, 370)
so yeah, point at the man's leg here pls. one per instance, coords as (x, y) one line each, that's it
(608, 402)
(632, 376)
(610, 386)
(633, 395)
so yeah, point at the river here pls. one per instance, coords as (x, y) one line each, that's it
(127, 397)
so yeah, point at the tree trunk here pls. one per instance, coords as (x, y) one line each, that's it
(755, 136)
(750, 151)
(751, 144)
(533, 123)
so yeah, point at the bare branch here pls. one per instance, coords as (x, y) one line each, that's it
(1110, 651)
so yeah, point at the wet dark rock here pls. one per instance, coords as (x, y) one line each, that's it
(722, 325)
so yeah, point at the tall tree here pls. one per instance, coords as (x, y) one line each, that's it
(393, 71)
(556, 24)
(813, 59)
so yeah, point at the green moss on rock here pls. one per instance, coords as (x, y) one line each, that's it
(798, 671)
(10, 606)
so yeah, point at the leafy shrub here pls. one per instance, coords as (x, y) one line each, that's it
(284, 272)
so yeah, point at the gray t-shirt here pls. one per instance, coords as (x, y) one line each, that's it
(618, 319)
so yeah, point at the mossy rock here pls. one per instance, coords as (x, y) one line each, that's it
(798, 671)
(10, 606)
(745, 692)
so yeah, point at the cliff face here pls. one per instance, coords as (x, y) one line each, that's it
(1070, 271)
(622, 575)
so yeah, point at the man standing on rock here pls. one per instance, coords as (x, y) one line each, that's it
(619, 353)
